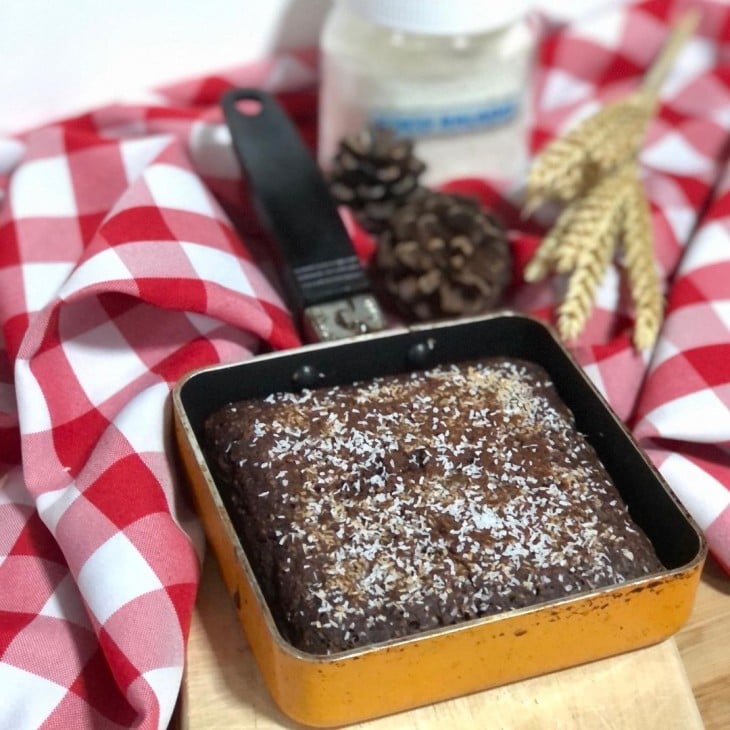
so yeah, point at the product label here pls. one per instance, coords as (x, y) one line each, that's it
(453, 120)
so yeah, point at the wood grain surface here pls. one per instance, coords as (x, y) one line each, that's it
(704, 645)
(681, 683)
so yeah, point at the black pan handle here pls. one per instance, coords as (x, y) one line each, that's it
(293, 201)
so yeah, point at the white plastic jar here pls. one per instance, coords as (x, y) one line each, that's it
(451, 74)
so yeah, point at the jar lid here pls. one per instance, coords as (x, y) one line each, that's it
(441, 17)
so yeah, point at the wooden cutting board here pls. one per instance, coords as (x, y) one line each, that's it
(644, 689)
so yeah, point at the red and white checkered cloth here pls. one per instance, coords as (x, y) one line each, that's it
(120, 271)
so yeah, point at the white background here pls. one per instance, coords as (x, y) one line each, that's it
(59, 57)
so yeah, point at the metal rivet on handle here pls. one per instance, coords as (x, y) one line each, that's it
(306, 376)
(420, 353)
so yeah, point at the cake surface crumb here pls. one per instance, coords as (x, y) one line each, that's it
(406, 503)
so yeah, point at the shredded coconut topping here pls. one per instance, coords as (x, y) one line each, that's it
(411, 502)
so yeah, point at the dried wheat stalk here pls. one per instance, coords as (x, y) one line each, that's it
(592, 168)
(576, 228)
(542, 262)
(641, 268)
(570, 165)
(590, 243)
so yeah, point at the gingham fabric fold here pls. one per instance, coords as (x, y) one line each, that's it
(120, 270)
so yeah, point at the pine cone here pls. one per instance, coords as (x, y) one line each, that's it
(442, 255)
(373, 173)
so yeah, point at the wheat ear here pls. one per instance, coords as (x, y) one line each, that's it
(591, 221)
(641, 268)
(570, 164)
(619, 130)
(543, 260)
(559, 172)
(596, 225)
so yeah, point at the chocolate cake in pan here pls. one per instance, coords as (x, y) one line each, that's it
(410, 502)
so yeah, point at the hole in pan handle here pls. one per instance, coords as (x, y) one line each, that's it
(293, 202)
